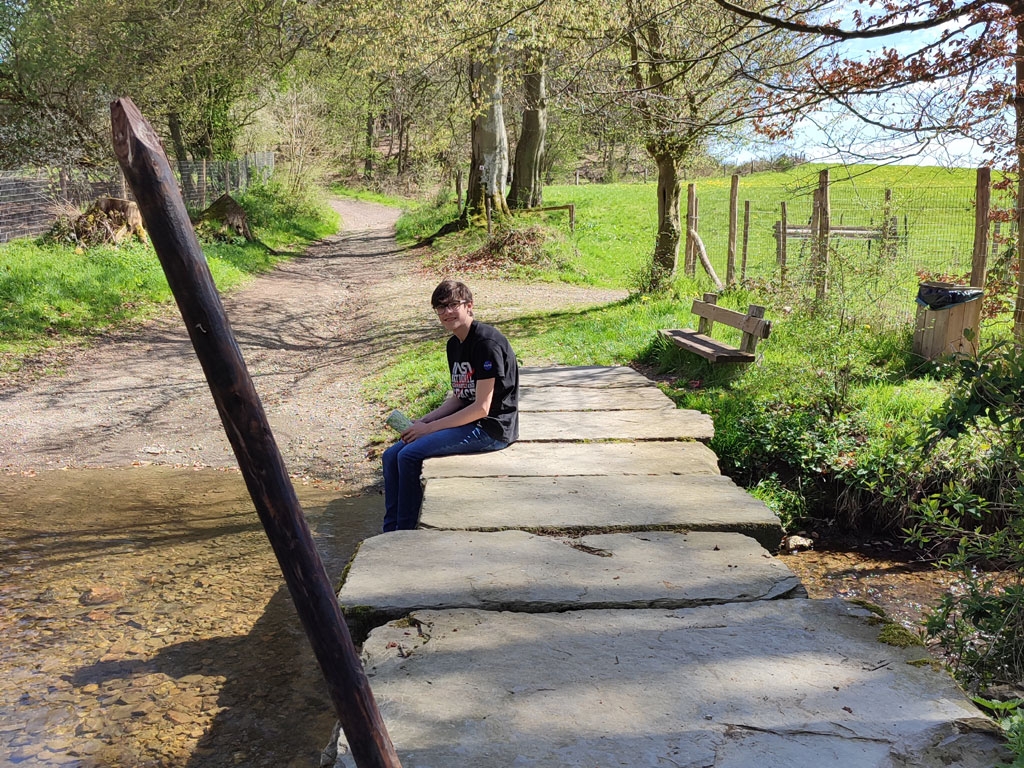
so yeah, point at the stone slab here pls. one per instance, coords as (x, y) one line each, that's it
(582, 376)
(647, 398)
(598, 504)
(669, 457)
(771, 684)
(515, 570)
(666, 424)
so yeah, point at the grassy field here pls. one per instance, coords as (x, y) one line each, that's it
(933, 208)
(62, 292)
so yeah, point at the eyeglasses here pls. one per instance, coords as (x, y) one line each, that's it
(444, 308)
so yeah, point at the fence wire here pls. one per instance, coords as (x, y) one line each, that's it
(30, 201)
(874, 269)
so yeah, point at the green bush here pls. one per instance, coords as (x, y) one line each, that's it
(976, 520)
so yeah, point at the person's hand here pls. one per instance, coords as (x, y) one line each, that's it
(417, 430)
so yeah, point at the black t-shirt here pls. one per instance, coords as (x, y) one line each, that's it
(486, 354)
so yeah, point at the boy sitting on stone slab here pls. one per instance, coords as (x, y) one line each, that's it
(480, 414)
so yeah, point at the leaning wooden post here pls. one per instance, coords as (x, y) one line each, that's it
(167, 223)
(983, 199)
(730, 259)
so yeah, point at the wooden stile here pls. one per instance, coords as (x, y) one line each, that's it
(148, 173)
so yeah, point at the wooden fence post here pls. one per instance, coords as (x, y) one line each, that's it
(202, 186)
(746, 239)
(784, 225)
(983, 201)
(146, 168)
(821, 237)
(690, 251)
(730, 259)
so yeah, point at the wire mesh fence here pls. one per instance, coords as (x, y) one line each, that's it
(31, 201)
(882, 244)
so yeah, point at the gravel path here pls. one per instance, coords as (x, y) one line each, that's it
(311, 331)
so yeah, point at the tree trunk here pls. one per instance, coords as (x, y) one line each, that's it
(181, 157)
(666, 248)
(371, 144)
(527, 182)
(490, 142)
(1018, 108)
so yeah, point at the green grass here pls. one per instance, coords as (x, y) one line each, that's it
(60, 293)
(616, 224)
(342, 190)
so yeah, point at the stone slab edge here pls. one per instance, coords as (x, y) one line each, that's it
(518, 571)
(797, 684)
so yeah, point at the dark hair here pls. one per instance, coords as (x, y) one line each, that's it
(449, 292)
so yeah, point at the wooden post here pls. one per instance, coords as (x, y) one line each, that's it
(746, 239)
(983, 200)
(487, 213)
(690, 251)
(890, 227)
(822, 237)
(730, 259)
(705, 324)
(146, 168)
(202, 186)
(782, 245)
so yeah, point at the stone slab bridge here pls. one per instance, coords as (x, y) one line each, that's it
(598, 594)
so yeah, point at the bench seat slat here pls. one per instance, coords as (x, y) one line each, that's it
(706, 347)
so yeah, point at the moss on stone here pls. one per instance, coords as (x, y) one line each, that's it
(898, 636)
(869, 606)
(933, 663)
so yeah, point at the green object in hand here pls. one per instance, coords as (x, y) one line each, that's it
(399, 421)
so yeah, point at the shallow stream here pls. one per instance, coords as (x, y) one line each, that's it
(145, 621)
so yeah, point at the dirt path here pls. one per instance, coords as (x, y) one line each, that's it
(311, 331)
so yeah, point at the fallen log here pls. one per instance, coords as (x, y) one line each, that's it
(148, 173)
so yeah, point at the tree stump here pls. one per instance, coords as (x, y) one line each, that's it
(225, 218)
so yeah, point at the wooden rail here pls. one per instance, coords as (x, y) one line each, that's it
(571, 208)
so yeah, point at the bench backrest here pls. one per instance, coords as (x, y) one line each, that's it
(752, 324)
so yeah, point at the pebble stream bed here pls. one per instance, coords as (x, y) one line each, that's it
(146, 622)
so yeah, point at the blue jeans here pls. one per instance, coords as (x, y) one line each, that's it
(403, 464)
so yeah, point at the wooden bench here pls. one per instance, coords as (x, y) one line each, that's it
(753, 325)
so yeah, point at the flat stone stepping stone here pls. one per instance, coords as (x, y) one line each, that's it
(593, 399)
(671, 457)
(666, 424)
(770, 684)
(598, 504)
(582, 376)
(515, 570)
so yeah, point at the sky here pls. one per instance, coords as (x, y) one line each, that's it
(812, 134)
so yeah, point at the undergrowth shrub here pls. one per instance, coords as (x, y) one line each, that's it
(825, 423)
(975, 521)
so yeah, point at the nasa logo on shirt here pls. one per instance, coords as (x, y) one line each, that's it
(488, 365)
